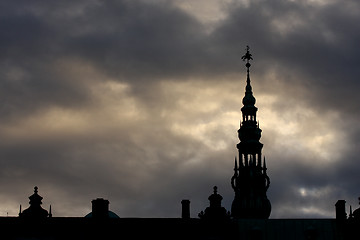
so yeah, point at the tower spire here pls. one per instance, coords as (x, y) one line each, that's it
(250, 182)
(249, 99)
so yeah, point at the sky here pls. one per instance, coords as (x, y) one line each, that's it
(138, 102)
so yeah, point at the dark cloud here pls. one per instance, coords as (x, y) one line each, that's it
(135, 42)
(317, 44)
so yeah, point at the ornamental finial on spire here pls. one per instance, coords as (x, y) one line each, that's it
(247, 57)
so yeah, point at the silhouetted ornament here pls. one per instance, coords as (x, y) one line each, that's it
(35, 210)
(215, 211)
(247, 56)
(248, 100)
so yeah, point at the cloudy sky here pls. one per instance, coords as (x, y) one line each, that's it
(139, 102)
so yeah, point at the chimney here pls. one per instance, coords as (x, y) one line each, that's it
(185, 214)
(100, 208)
(340, 210)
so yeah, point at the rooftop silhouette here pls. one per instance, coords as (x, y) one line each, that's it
(215, 211)
(35, 211)
(248, 219)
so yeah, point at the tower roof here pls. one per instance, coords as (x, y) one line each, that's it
(215, 211)
(35, 199)
(35, 210)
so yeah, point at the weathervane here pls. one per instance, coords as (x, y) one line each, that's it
(247, 57)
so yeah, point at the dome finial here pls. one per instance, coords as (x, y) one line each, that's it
(215, 189)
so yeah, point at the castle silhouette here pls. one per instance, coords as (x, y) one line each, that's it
(248, 218)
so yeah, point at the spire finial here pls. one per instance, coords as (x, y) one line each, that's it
(215, 189)
(35, 189)
(247, 57)
(50, 213)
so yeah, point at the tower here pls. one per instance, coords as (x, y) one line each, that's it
(35, 211)
(215, 211)
(250, 181)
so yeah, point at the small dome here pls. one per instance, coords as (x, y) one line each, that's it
(110, 215)
(249, 99)
(215, 210)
